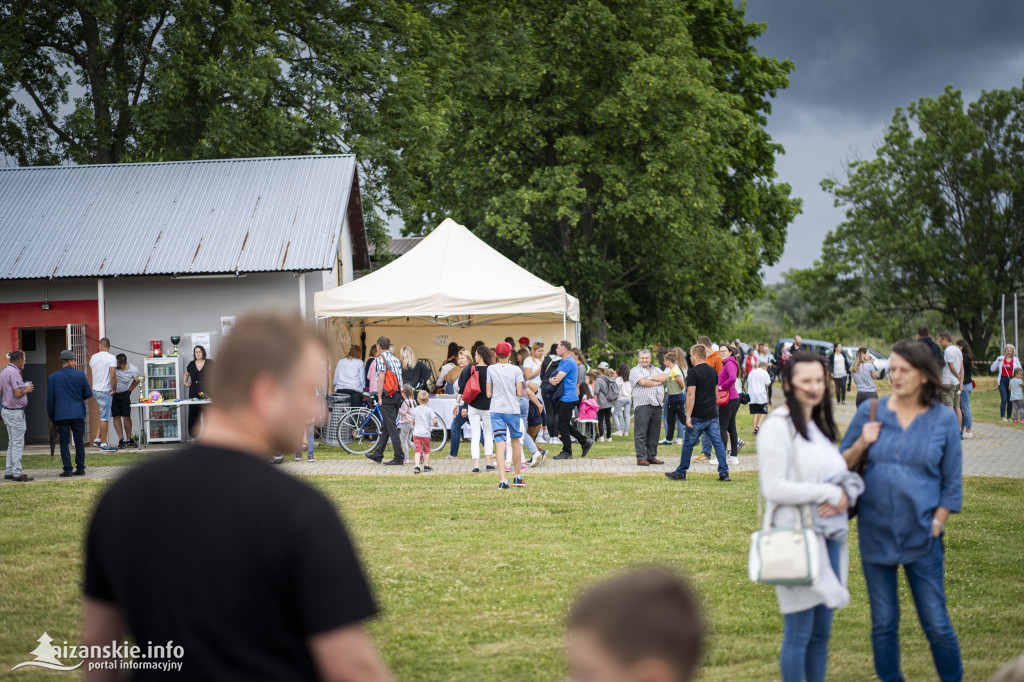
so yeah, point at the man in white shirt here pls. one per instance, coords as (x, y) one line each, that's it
(104, 377)
(952, 374)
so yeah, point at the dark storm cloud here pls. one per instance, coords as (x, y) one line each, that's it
(855, 63)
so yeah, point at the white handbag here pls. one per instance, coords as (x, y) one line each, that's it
(788, 555)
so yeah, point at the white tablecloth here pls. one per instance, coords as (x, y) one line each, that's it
(443, 405)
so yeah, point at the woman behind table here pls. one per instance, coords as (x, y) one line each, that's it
(624, 404)
(449, 366)
(460, 413)
(196, 376)
(1004, 367)
(727, 413)
(348, 376)
(912, 480)
(863, 371)
(414, 372)
(479, 409)
(965, 395)
(799, 466)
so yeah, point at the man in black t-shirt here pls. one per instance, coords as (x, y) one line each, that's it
(248, 571)
(701, 415)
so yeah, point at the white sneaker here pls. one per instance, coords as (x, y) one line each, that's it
(734, 461)
(677, 441)
(968, 435)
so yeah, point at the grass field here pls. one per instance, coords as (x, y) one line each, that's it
(474, 584)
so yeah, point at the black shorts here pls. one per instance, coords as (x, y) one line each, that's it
(121, 406)
(758, 408)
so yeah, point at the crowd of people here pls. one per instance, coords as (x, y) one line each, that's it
(898, 464)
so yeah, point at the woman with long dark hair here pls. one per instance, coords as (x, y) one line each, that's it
(478, 409)
(196, 377)
(965, 395)
(802, 474)
(913, 481)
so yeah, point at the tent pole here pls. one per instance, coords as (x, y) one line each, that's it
(564, 332)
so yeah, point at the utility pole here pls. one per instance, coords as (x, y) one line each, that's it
(1002, 322)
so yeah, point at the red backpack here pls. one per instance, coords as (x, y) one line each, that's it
(391, 384)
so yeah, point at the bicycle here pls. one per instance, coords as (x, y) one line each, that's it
(359, 429)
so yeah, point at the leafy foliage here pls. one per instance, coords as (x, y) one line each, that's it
(935, 222)
(103, 81)
(617, 149)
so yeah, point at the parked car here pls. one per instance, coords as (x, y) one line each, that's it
(880, 361)
(822, 348)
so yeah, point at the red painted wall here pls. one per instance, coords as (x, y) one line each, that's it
(15, 315)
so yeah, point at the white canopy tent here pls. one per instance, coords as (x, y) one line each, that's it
(451, 286)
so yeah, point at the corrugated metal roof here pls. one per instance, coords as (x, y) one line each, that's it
(399, 246)
(187, 217)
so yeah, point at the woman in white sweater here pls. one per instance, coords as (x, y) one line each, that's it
(802, 472)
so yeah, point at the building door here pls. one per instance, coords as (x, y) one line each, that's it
(76, 341)
(42, 346)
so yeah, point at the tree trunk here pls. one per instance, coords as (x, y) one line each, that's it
(598, 327)
(977, 334)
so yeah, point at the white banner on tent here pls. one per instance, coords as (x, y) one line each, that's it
(442, 339)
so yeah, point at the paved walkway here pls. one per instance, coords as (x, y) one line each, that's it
(994, 451)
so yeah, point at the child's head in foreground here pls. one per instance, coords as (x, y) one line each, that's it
(643, 626)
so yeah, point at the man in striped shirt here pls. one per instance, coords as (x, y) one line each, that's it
(389, 404)
(647, 390)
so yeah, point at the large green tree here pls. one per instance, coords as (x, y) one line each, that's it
(616, 148)
(935, 222)
(104, 81)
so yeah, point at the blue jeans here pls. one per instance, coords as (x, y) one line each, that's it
(524, 411)
(965, 405)
(805, 636)
(457, 421)
(675, 414)
(1004, 397)
(705, 439)
(926, 579)
(713, 431)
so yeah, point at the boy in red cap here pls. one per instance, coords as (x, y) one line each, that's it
(505, 383)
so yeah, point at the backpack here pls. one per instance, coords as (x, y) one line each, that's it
(405, 412)
(391, 384)
(552, 393)
(472, 389)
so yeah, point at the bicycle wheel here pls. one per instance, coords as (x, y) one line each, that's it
(358, 431)
(438, 434)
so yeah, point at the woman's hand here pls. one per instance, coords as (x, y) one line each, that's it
(455, 410)
(826, 510)
(465, 413)
(869, 433)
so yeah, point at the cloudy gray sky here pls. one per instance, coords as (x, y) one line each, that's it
(855, 63)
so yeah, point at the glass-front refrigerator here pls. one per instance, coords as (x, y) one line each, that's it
(163, 375)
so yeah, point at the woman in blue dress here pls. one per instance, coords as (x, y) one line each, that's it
(913, 482)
